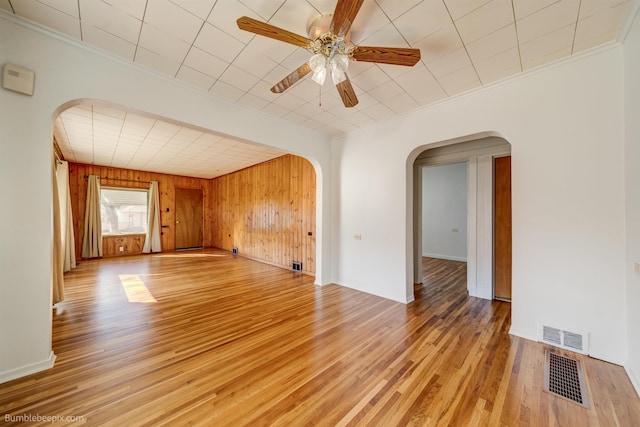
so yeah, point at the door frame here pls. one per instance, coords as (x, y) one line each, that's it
(175, 218)
(479, 155)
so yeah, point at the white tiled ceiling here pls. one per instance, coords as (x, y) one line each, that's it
(106, 136)
(465, 44)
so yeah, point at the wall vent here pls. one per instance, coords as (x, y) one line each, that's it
(569, 340)
(564, 377)
(296, 266)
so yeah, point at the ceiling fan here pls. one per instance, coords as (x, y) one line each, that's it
(329, 42)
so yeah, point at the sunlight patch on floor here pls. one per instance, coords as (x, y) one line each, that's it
(136, 289)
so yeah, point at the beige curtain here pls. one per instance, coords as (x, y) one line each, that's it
(66, 217)
(152, 242)
(57, 279)
(92, 239)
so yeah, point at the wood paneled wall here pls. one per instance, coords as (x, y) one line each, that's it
(129, 244)
(127, 178)
(268, 212)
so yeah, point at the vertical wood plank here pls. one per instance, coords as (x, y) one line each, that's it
(268, 210)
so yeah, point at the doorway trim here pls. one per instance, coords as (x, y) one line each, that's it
(478, 152)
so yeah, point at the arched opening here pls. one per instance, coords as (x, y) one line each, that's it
(468, 166)
(129, 148)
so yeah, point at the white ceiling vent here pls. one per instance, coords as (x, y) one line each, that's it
(569, 340)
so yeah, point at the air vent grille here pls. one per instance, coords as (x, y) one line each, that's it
(570, 340)
(564, 377)
(552, 335)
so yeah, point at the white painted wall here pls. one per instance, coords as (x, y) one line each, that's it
(632, 180)
(565, 125)
(444, 208)
(67, 71)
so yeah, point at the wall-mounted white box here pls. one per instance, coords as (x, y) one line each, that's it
(18, 79)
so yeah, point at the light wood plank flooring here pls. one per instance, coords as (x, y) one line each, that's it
(204, 338)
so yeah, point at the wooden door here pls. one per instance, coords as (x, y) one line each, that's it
(189, 218)
(502, 228)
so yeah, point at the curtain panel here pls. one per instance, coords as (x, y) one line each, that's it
(92, 239)
(57, 276)
(66, 216)
(152, 242)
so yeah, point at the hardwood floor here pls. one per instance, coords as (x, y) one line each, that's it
(218, 340)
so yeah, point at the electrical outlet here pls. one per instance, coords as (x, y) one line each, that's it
(637, 266)
(121, 248)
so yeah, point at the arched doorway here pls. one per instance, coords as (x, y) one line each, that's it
(479, 155)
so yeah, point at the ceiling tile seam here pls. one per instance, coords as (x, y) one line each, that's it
(142, 143)
(275, 12)
(66, 134)
(191, 13)
(575, 28)
(80, 21)
(251, 9)
(547, 34)
(114, 35)
(503, 51)
(422, 59)
(409, 44)
(538, 11)
(144, 14)
(515, 25)
(124, 119)
(204, 22)
(468, 13)
(464, 45)
(54, 8)
(229, 64)
(315, 8)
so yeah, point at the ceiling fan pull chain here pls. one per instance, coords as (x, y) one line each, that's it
(320, 97)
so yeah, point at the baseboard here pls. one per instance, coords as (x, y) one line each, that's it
(28, 369)
(521, 334)
(447, 257)
(607, 358)
(634, 379)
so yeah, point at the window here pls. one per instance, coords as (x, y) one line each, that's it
(123, 211)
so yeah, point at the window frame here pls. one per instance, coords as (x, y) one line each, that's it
(145, 217)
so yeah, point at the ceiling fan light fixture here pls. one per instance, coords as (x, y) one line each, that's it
(339, 64)
(319, 26)
(319, 76)
(318, 64)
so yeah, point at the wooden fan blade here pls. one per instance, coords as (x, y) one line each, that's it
(387, 55)
(348, 95)
(343, 16)
(271, 31)
(292, 78)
